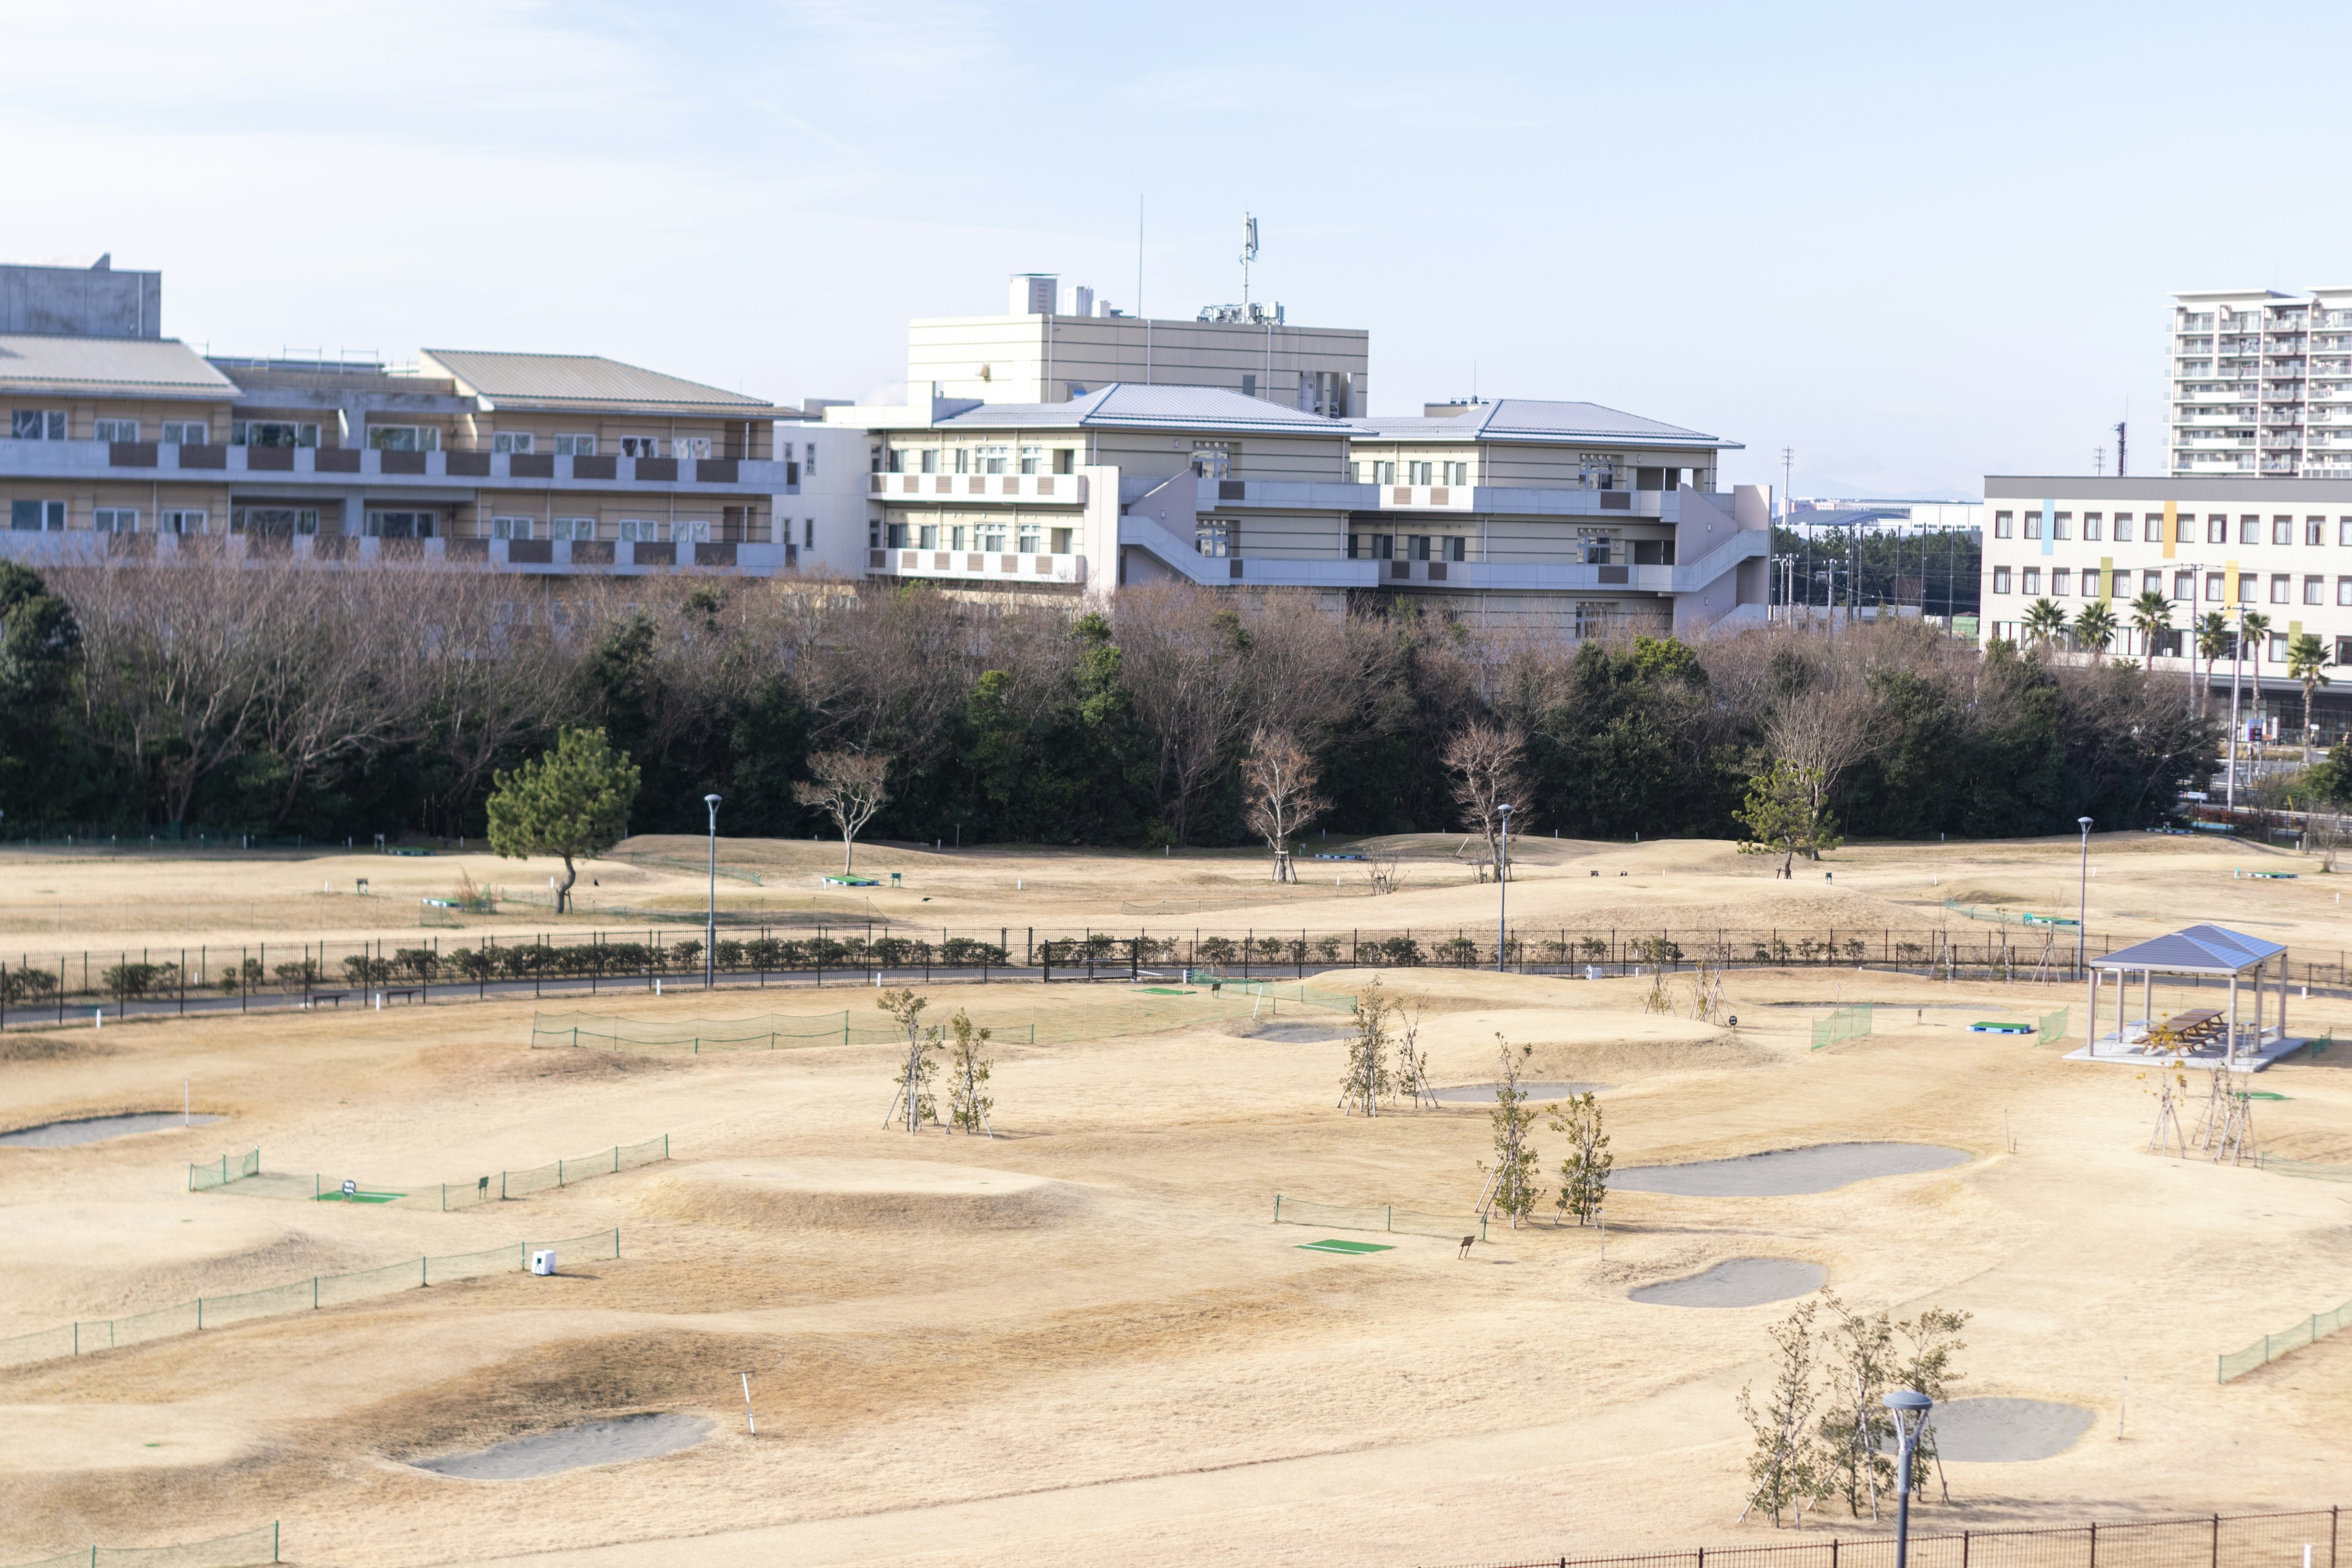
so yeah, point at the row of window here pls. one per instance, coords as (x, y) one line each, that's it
(2284, 530)
(1382, 472)
(1415, 546)
(1029, 538)
(973, 459)
(2184, 585)
(50, 424)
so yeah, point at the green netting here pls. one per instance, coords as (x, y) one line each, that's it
(1845, 1024)
(2053, 1027)
(87, 1337)
(1377, 1216)
(465, 1193)
(1141, 1010)
(240, 1550)
(2269, 1347)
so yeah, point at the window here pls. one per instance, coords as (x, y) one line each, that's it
(956, 536)
(273, 520)
(2314, 590)
(185, 432)
(1456, 546)
(695, 447)
(37, 516)
(1216, 536)
(2032, 583)
(808, 538)
(184, 519)
(2281, 589)
(401, 438)
(115, 519)
(930, 459)
(2281, 530)
(2250, 531)
(927, 535)
(1060, 538)
(2152, 583)
(37, 423)
(644, 529)
(2215, 583)
(1418, 473)
(989, 535)
(510, 527)
(898, 536)
(1598, 472)
(2123, 528)
(963, 460)
(1033, 460)
(2061, 581)
(572, 527)
(808, 462)
(2250, 587)
(510, 441)
(873, 456)
(2314, 531)
(2217, 530)
(1594, 547)
(114, 430)
(1249, 389)
(1419, 545)
(2344, 650)
(1457, 474)
(650, 446)
(2184, 531)
(694, 530)
(992, 459)
(1213, 459)
(1371, 546)
(1384, 473)
(2062, 525)
(2032, 525)
(2091, 525)
(1065, 459)
(894, 461)
(278, 433)
(399, 524)
(2276, 652)
(2343, 590)
(575, 445)
(1032, 538)
(2004, 525)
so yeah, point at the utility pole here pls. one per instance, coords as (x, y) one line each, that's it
(1249, 254)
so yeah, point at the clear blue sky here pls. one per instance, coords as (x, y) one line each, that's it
(1917, 244)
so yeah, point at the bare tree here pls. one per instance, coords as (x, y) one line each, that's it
(1186, 656)
(1278, 796)
(1484, 760)
(848, 786)
(495, 673)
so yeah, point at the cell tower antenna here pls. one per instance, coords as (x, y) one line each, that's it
(2122, 470)
(1249, 254)
(2099, 460)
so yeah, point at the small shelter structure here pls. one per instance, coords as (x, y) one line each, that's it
(2219, 1035)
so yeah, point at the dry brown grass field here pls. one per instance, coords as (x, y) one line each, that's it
(1083, 1340)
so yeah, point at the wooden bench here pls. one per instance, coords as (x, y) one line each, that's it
(317, 997)
(409, 993)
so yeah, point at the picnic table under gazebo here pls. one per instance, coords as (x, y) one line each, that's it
(2207, 1037)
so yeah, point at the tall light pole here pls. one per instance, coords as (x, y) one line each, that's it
(1503, 887)
(1910, 1409)
(711, 930)
(2083, 897)
(2237, 648)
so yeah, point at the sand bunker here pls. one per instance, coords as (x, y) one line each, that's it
(1305, 1033)
(1484, 1093)
(861, 1195)
(95, 1129)
(1738, 1282)
(2004, 1431)
(1786, 1172)
(575, 1448)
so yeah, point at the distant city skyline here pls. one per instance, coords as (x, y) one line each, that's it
(1914, 248)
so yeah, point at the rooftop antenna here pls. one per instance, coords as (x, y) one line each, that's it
(1788, 464)
(2120, 470)
(1249, 254)
(2098, 461)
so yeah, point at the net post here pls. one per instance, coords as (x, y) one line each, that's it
(2217, 1540)
(616, 1243)
(273, 1541)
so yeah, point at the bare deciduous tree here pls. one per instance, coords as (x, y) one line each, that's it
(1484, 760)
(1186, 659)
(850, 787)
(1278, 798)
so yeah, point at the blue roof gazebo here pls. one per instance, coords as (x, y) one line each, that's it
(2204, 951)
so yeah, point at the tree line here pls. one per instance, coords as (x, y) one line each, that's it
(274, 699)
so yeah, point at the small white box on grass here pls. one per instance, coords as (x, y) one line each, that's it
(543, 1260)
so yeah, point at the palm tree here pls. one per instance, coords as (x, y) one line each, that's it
(2095, 626)
(2044, 621)
(2212, 630)
(2307, 660)
(2252, 626)
(2151, 617)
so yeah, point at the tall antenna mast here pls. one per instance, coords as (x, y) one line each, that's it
(2120, 470)
(1249, 254)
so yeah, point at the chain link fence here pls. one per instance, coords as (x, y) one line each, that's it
(2269, 1347)
(1377, 1216)
(243, 1175)
(87, 1337)
(243, 1549)
(2211, 1540)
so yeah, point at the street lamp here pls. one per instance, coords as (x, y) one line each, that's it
(711, 930)
(1503, 895)
(2237, 650)
(2083, 894)
(1910, 1409)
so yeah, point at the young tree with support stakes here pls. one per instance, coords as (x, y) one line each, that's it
(1783, 1466)
(1511, 1185)
(968, 1100)
(2306, 664)
(849, 788)
(572, 801)
(1368, 1078)
(1584, 1175)
(913, 1100)
(1785, 814)
(1278, 780)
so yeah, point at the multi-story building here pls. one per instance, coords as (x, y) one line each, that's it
(2261, 383)
(134, 443)
(1564, 515)
(2281, 548)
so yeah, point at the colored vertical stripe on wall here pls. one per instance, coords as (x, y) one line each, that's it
(2048, 525)
(2172, 526)
(2108, 587)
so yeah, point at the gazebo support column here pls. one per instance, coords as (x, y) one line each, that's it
(2230, 1047)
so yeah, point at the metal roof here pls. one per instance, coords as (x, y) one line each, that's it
(584, 381)
(134, 368)
(2200, 950)
(1539, 419)
(1127, 405)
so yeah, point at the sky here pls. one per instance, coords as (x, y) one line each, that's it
(1912, 245)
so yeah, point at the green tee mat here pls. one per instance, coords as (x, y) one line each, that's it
(1348, 1248)
(1162, 991)
(1994, 1026)
(362, 1197)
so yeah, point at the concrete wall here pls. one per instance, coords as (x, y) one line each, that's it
(81, 301)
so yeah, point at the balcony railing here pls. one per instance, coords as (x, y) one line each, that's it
(1059, 490)
(986, 565)
(100, 459)
(556, 557)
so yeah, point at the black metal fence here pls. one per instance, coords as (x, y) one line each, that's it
(2212, 1540)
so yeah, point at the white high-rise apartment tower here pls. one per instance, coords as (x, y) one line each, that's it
(2261, 383)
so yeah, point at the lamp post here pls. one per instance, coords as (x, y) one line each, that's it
(2237, 648)
(1910, 1409)
(1503, 892)
(710, 929)
(2083, 894)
